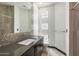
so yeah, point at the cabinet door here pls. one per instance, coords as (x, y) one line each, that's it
(29, 52)
(39, 48)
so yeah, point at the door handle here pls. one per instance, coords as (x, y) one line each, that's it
(61, 30)
(66, 30)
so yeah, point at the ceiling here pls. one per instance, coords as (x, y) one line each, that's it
(43, 4)
(28, 5)
(25, 5)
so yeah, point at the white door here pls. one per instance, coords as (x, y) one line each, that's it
(55, 16)
(60, 27)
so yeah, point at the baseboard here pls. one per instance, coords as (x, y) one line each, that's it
(58, 50)
(51, 46)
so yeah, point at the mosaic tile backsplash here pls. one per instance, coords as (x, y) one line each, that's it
(10, 38)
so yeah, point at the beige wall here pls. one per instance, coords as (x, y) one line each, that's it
(6, 18)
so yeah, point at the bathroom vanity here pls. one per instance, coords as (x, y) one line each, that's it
(15, 49)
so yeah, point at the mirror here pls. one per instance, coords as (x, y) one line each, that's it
(16, 17)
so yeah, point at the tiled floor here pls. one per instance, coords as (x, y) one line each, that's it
(52, 52)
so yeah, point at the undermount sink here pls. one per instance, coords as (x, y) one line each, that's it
(26, 42)
(35, 38)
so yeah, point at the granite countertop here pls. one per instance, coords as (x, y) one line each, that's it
(17, 49)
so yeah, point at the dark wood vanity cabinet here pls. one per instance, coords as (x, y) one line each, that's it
(35, 50)
(38, 48)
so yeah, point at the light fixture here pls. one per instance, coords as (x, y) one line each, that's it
(41, 3)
